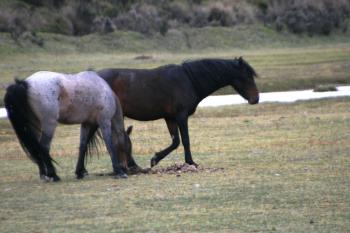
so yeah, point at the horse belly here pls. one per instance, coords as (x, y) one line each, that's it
(148, 110)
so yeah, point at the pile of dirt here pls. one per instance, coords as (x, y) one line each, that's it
(179, 168)
(175, 169)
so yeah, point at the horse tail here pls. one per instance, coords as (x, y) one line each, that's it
(93, 141)
(24, 121)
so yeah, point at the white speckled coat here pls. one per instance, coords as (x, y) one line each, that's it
(71, 99)
(37, 104)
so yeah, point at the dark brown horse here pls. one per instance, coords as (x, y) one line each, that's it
(173, 92)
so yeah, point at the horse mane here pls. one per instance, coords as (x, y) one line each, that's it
(218, 64)
(208, 75)
(248, 67)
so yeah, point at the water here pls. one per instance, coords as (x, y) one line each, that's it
(284, 97)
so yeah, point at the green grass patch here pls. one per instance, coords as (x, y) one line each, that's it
(283, 61)
(323, 88)
(286, 168)
(279, 69)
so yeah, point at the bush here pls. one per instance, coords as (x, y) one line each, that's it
(221, 16)
(81, 14)
(142, 18)
(61, 25)
(324, 88)
(103, 25)
(312, 17)
(199, 17)
(79, 17)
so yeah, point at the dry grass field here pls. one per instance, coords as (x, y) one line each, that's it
(283, 61)
(266, 168)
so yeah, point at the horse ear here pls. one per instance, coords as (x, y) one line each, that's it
(240, 61)
(129, 130)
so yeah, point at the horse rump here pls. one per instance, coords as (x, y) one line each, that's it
(24, 121)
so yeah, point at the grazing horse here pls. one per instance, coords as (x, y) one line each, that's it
(37, 104)
(173, 92)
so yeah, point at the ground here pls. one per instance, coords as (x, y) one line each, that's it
(266, 168)
(283, 61)
(263, 168)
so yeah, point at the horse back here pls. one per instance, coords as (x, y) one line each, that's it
(70, 98)
(149, 94)
(86, 97)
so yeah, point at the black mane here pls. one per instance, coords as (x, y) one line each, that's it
(208, 75)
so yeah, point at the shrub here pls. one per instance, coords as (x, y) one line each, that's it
(61, 25)
(312, 17)
(178, 12)
(220, 15)
(81, 14)
(80, 17)
(199, 17)
(103, 25)
(324, 88)
(142, 18)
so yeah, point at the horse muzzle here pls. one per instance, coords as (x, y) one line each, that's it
(254, 100)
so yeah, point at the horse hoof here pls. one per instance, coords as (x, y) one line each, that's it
(153, 162)
(121, 176)
(56, 178)
(44, 178)
(134, 170)
(49, 178)
(193, 163)
(81, 175)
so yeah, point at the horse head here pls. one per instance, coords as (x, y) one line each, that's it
(128, 144)
(123, 146)
(244, 82)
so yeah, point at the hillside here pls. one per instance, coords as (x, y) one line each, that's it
(313, 17)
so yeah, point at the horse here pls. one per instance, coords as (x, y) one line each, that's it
(37, 104)
(173, 92)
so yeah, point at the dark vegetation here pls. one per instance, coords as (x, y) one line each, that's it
(23, 18)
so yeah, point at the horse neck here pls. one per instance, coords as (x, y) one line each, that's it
(206, 83)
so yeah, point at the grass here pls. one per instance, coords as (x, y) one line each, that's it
(323, 88)
(286, 168)
(284, 61)
(279, 69)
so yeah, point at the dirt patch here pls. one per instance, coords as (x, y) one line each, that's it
(175, 169)
(143, 57)
(179, 168)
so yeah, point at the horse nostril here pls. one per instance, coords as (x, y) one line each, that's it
(254, 100)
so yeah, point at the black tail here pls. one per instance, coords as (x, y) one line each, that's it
(24, 121)
(93, 141)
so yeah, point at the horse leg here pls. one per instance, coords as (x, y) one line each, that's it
(174, 132)
(182, 121)
(107, 137)
(48, 130)
(41, 164)
(86, 132)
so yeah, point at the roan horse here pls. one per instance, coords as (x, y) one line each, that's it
(173, 92)
(36, 105)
